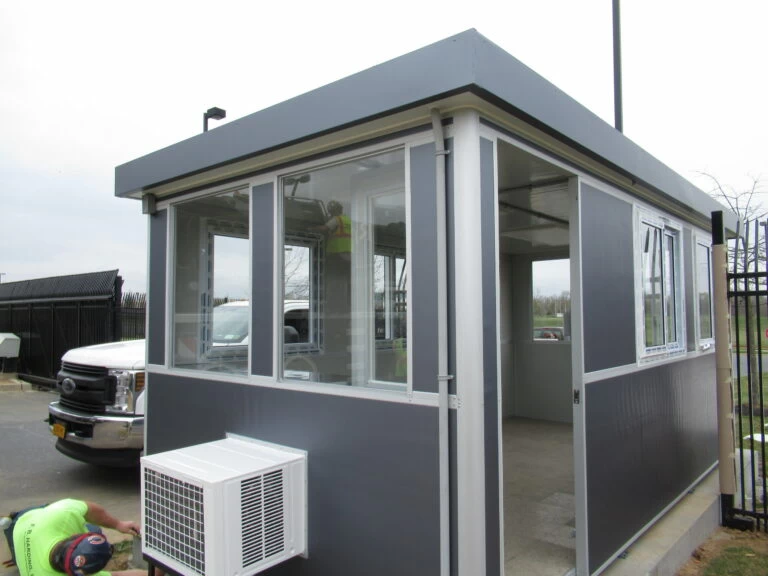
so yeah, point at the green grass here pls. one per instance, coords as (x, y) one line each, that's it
(763, 325)
(744, 397)
(540, 321)
(739, 561)
(745, 389)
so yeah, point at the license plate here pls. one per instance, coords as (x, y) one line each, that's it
(59, 430)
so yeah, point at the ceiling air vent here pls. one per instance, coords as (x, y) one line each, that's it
(232, 507)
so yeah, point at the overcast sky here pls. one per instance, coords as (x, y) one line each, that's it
(87, 86)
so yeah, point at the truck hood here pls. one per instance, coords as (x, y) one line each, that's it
(127, 355)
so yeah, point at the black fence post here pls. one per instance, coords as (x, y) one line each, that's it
(733, 515)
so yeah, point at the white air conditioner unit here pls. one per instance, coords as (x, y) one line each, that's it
(232, 507)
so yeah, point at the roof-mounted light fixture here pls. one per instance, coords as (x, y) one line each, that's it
(215, 113)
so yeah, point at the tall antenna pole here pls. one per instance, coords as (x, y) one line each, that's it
(617, 67)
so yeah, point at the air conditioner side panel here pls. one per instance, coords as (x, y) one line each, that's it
(215, 526)
(297, 513)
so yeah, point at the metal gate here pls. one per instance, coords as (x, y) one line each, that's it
(747, 301)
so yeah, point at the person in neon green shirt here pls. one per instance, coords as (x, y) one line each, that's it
(339, 229)
(56, 539)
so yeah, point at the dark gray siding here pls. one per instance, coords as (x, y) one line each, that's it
(424, 266)
(608, 280)
(649, 436)
(158, 254)
(262, 287)
(373, 467)
(490, 376)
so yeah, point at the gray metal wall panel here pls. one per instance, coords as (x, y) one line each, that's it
(649, 436)
(424, 266)
(608, 280)
(373, 467)
(158, 255)
(490, 375)
(262, 286)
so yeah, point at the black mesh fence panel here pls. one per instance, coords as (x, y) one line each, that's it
(48, 327)
(39, 361)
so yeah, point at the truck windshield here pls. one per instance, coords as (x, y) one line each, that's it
(230, 324)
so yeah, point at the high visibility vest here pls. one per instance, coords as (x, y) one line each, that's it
(340, 240)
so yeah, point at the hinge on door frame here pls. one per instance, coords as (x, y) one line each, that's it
(577, 396)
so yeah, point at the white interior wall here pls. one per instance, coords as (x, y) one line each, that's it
(536, 375)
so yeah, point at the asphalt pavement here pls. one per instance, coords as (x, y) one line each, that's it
(33, 472)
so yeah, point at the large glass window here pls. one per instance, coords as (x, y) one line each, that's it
(704, 291)
(551, 291)
(661, 288)
(211, 311)
(344, 260)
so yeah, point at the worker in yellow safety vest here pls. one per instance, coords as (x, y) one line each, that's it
(339, 229)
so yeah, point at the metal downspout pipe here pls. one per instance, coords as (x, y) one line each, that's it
(442, 343)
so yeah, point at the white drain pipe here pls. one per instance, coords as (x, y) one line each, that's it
(442, 343)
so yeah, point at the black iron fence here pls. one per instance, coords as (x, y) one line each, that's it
(747, 296)
(132, 316)
(53, 315)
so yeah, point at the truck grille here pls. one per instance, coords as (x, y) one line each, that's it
(94, 388)
(84, 370)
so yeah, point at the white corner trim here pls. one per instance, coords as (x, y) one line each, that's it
(470, 437)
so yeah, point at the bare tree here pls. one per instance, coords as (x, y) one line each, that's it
(746, 253)
(296, 272)
(746, 203)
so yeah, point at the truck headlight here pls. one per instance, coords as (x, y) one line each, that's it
(124, 390)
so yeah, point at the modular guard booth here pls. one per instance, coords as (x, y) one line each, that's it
(386, 231)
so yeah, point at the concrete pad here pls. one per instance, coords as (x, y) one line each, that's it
(669, 543)
(12, 383)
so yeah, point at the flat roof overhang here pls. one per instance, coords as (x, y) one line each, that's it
(466, 70)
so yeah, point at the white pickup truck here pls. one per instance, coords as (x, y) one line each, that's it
(99, 417)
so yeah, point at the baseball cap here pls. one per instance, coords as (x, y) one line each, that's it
(86, 554)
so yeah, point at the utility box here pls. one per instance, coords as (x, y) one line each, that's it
(9, 351)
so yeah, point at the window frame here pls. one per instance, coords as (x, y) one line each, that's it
(314, 243)
(210, 227)
(363, 293)
(566, 327)
(363, 229)
(390, 292)
(701, 342)
(403, 392)
(668, 229)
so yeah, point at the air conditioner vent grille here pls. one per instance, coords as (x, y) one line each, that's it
(263, 529)
(174, 521)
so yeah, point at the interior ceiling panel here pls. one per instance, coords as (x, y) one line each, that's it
(534, 205)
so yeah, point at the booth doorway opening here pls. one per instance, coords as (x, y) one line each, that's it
(534, 203)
